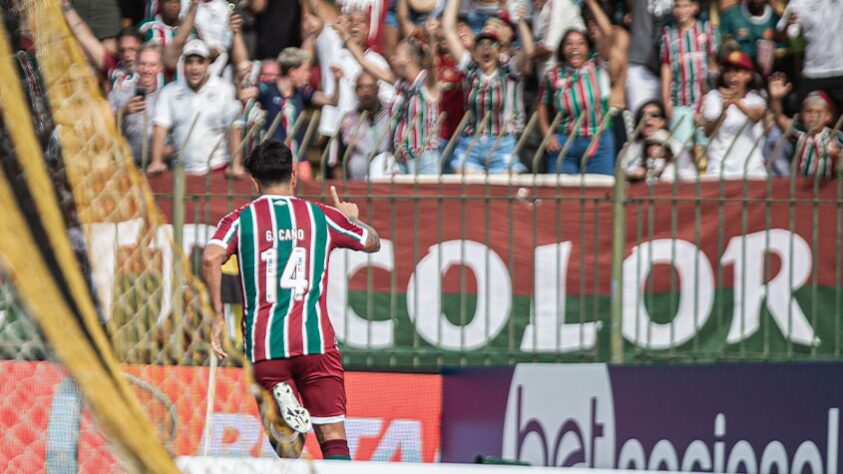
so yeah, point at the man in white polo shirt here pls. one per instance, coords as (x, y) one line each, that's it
(207, 147)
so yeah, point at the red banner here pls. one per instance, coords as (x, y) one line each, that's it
(513, 220)
(391, 417)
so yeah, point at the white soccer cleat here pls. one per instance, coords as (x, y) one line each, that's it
(293, 414)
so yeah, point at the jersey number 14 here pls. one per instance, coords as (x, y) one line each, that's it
(293, 278)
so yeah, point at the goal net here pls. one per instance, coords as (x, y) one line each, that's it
(105, 361)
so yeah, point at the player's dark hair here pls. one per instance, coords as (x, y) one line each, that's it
(270, 163)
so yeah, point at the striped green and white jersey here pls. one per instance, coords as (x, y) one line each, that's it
(416, 114)
(574, 92)
(283, 245)
(687, 53)
(818, 154)
(500, 95)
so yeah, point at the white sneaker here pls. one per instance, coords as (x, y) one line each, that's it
(295, 415)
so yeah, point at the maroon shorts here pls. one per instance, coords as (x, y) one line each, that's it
(316, 379)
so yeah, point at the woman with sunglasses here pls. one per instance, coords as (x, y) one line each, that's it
(654, 155)
(580, 86)
(494, 87)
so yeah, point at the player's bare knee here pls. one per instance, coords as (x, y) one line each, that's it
(329, 431)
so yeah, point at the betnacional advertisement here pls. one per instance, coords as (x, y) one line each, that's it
(749, 418)
(391, 417)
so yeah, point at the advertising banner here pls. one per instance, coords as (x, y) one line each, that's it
(749, 418)
(525, 270)
(391, 417)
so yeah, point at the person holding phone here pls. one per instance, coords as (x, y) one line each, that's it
(134, 104)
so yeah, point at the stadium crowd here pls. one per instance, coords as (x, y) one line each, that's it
(670, 88)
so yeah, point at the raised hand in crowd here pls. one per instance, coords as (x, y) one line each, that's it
(779, 87)
(311, 25)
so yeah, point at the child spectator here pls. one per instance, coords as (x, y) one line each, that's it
(688, 57)
(818, 147)
(655, 155)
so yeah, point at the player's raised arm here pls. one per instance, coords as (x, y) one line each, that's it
(349, 209)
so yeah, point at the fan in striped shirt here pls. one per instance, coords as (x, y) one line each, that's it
(688, 55)
(283, 246)
(494, 89)
(819, 148)
(163, 26)
(414, 111)
(579, 90)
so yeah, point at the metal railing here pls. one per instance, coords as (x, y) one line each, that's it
(498, 269)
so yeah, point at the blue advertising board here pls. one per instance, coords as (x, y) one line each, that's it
(752, 418)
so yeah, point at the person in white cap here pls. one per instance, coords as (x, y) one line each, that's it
(211, 103)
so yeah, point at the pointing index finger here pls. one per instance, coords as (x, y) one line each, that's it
(334, 195)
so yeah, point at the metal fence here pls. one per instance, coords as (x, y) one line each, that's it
(499, 269)
(503, 269)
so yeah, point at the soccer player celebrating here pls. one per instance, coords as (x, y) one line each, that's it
(283, 245)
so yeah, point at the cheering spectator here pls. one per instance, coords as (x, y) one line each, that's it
(655, 155)
(362, 136)
(119, 69)
(209, 102)
(579, 87)
(332, 53)
(821, 23)
(376, 12)
(450, 79)
(163, 26)
(415, 109)
(611, 43)
(494, 88)
(751, 24)
(288, 96)
(818, 146)
(734, 111)
(213, 22)
(689, 57)
(277, 26)
(135, 105)
(649, 17)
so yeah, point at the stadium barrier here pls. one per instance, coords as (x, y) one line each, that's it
(391, 417)
(744, 417)
(572, 268)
